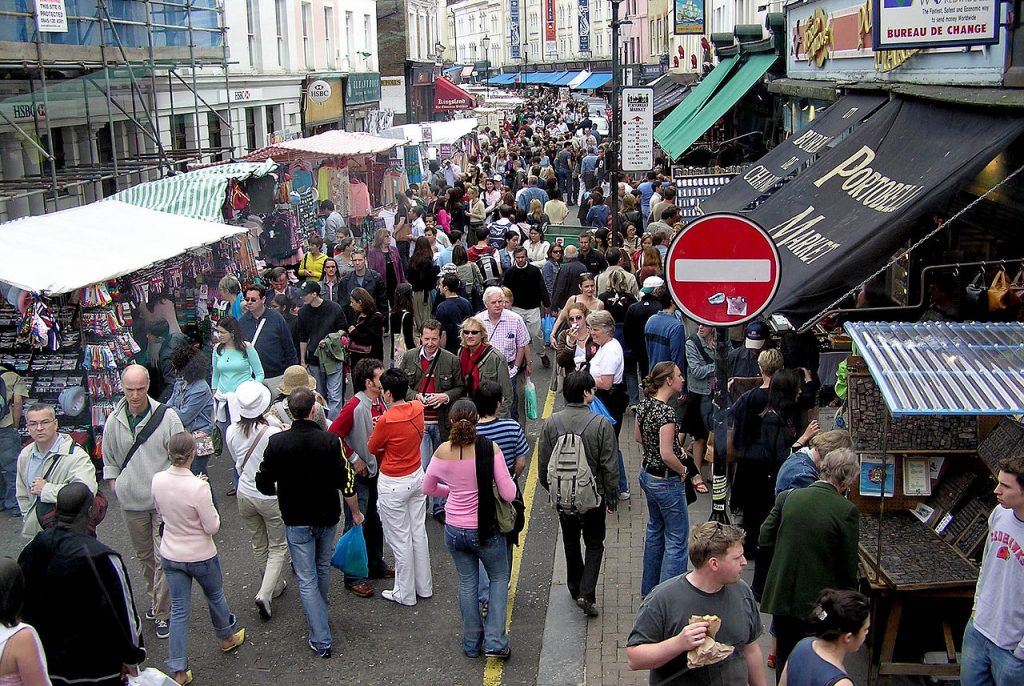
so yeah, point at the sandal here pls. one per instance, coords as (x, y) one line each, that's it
(188, 678)
(699, 485)
(236, 640)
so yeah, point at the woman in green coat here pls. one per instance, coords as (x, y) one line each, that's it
(478, 361)
(813, 532)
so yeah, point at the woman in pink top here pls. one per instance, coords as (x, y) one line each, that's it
(187, 552)
(471, 532)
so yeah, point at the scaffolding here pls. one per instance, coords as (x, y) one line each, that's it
(117, 62)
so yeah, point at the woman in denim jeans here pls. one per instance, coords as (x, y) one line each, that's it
(471, 532)
(662, 478)
(187, 552)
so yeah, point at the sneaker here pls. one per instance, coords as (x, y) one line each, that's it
(546, 361)
(163, 629)
(363, 590)
(283, 584)
(324, 653)
(500, 655)
(588, 607)
(151, 614)
(263, 607)
(624, 495)
(439, 517)
(390, 595)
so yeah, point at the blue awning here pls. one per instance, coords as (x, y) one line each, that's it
(503, 79)
(595, 80)
(566, 78)
(451, 70)
(553, 77)
(944, 368)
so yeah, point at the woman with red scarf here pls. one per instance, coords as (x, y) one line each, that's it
(479, 362)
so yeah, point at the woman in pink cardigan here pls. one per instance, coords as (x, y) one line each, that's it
(187, 552)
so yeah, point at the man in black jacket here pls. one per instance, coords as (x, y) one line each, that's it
(304, 466)
(527, 284)
(637, 364)
(567, 281)
(362, 276)
(79, 599)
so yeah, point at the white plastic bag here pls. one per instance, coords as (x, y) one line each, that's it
(151, 676)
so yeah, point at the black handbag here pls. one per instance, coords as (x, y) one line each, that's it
(976, 295)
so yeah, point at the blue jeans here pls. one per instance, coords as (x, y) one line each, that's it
(983, 663)
(10, 446)
(179, 577)
(630, 377)
(668, 525)
(311, 548)
(467, 552)
(431, 439)
(565, 182)
(329, 386)
(623, 477)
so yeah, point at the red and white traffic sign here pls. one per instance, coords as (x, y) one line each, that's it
(723, 270)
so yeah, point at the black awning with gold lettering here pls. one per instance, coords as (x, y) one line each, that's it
(789, 157)
(851, 211)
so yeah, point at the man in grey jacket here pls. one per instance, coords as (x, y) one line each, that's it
(46, 465)
(354, 425)
(601, 449)
(130, 477)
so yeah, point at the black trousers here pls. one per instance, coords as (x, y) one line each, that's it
(581, 571)
(788, 632)
(758, 498)
(373, 531)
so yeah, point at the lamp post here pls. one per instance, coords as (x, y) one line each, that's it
(486, 43)
(526, 62)
(612, 158)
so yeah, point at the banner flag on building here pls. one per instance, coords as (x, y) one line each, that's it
(514, 39)
(688, 17)
(584, 26)
(550, 40)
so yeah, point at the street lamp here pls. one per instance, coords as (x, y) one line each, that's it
(486, 42)
(439, 52)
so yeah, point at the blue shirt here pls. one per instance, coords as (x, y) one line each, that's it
(36, 460)
(443, 257)
(588, 165)
(646, 191)
(509, 436)
(274, 345)
(531, 193)
(798, 471)
(666, 340)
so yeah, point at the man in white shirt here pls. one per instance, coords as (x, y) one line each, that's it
(508, 334)
(418, 225)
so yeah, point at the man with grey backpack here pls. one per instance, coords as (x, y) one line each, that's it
(579, 468)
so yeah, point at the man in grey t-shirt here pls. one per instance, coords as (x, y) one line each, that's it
(662, 633)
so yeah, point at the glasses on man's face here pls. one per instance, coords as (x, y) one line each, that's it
(470, 332)
(41, 424)
(252, 300)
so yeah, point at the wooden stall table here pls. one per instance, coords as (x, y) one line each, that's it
(915, 564)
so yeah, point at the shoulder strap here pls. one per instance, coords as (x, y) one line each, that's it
(143, 436)
(430, 370)
(249, 452)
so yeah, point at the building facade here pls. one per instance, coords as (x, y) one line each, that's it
(411, 54)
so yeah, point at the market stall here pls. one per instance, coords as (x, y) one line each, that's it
(927, 464)
(349, 169)
(71, 321)
(453, 140)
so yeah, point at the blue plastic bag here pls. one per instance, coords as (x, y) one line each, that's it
(598, 407)
(350, 554)
(547, 325)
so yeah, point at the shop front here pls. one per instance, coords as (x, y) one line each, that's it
(419, 79)
(362, 96)
(322, 103)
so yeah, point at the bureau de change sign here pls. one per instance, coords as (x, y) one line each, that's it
(902, 24)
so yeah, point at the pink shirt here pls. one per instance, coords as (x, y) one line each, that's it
(460, 487)
(190, 520)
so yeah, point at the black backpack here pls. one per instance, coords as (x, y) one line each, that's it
(489, 268)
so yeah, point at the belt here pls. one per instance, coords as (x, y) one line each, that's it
(661, 472)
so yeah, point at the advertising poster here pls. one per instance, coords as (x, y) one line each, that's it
(584, 26)
(689, 17)
(902, 24)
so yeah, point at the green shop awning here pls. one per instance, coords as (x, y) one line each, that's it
(726, 97)
(674, 125)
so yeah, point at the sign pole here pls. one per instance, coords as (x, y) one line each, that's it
(720, 462)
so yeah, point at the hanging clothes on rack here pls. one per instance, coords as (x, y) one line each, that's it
(338, 189)
(393, 185)
(360, 196)
(302, 175)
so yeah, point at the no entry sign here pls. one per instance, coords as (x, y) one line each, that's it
(723, 270)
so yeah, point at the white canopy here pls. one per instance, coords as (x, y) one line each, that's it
(580, 78)
(441, 132)
(70, 249)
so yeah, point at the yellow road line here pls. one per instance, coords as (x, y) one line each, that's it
(494, 669)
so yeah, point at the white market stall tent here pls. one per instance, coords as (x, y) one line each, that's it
(441, 132)
(67, 250)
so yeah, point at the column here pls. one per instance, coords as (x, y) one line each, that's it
(13, 169)
(86, 141)
(36, 201)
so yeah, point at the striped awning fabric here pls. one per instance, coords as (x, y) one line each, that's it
(198, 194)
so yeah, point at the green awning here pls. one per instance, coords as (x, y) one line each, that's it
(675, 123)
(728, 95)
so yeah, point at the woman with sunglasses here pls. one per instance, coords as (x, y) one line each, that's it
(587, 296)
(574, 348)
(551, 265)
(479, 361)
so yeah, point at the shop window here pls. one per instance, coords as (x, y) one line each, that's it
(279, 19)
(250, 128)
(250, 28)
(307, 34)
(179, 132)
(216, 135)
(329, 35)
